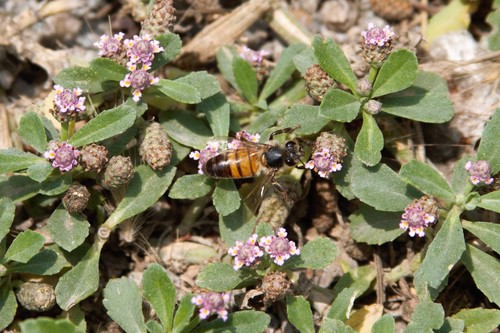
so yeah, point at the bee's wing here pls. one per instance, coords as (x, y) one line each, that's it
(253, 193)
(228, 143)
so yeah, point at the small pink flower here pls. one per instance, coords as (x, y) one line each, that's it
(139, 80)
(68, 101)
(419, 215)
(377, 36)
(324, 163)
(142, 49)
(253, 56)
(245, 253)
(479, 172)
(63, 156)
(211, 150)
(212, 303)
(247, 136)
(279, 247)
(109, 45)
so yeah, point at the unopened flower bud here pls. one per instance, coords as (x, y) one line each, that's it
(94, 157)
(36, 296)
(364, 87)
(160, 19)
(155, 147)
(373, 106)
(76, 198)
(479, 172)
(318, 82)
(275, 287)
(118, 172)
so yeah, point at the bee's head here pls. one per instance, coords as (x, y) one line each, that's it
(293, 153)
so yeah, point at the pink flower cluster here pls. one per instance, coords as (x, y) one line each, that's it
(278, 247)
(324, 163)
(253, 56)
(68, 101)
(419, 215)
(212, 303)
(62, 155)
(377, 36)
(479, 172)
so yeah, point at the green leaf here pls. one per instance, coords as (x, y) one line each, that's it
(81, 281)
(109, 70)
(342, 305)
(398, 72)
(172, 44)
(340, 106)
(479, 320)
(452, 325)
(186, 128)
(56, 184)
(334, 325)
(427, 316)
(490, 201)
(7, 211)
(333, 61)
(32, 131)
(381, 188)
(191, 187)
(238, 225)
(183, 314)
(106, 125)
(485, 271)
(219, 277)
(307, 116)
(226, 197)
(374, 227)
(153, 326)
(84, 78)
(316, 254)
(359, 279)
(460, 177)
(49, 325)
(13, 159)
(304, 60)
(443, 253)
(217, 110)
(225, 57)
(159, 291)
(241, 322)
(24, 246)
(282, 71)
(8, 305)
(67, 230)
(489, 149)
(18, 188)
(179, 91)
(246, 79)
(489, 233)
(370, 141)
(123, 302)
(427, 179)
(299, 313)
(40, 171)
(143, 190)
(385, 324)
(206, 84)
(426, 100)
(46, 262)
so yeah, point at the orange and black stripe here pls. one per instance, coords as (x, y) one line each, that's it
(238, 163)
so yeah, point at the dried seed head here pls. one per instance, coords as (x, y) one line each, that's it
(318, 82)
(160, 19)
(76, 198)
(36, 296)
(155, 147)
(392, 10)
(275, 286)
(118, 172)
(94, 157)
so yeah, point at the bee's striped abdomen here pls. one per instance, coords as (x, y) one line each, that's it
(237, 163)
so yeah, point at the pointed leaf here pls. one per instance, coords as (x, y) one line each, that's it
(397, 73)
(226, 197)
(485, 271)
(7, 210)
(106, 125)
(460, 177)
(183, 314)
(489, 149)
(123, 302)
(360, 279)
(340, 106)
(25, 246)
(342, 305)
(191, 187)
(426, 179)
(490, 201)
(67, 230)
(246, 79)
(219, 277)
(32, 131)
(242, 322)
(225, 57)
(370, 141)
(8, 305)
(374, 227)
(488, 232)
(13, 159)
(299, 313)
(179, 91)
(159, 291)
(333, 61)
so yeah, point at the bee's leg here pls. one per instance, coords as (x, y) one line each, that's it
(283, 130)
(280, 188)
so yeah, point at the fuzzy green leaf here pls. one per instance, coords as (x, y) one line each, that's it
(485, 271)
(123, 302)
(49, 325)
(143, 190)
(183, 314)
(67, 230)
(370, 141)
(427, 316)
(186, 128)
(216, 109)
(316, 254)
(385, 324)
(56, 184)
(246, 79)
(334, 325)
(489, 149)
(426, 100)
(159, 291)
(426, 179)
(479, 320)
(45, 262)
(7, 210)
(8, 305)
(304, 60)
(84, 78)
(307, 116)
(342, 305)
(452, 325)
(333, 61)
(490, 201)
(206, 84)
(242, 322)
(443, 253)
(81, 281)
(18, 187)
(488, 232)
(40, 171)
(191, 187)
(398, 72)
(172, 44)
(374, 227)
(109, 70)
(106, 125)
(225, 57)
(219, 277)
(460, 177)
(226, 197)
(32, 131)
(340, 106)
(25, 246)
(13, 159)
(359, 279)
(179, 91)
(381, 188)
(299, 313)
(282, 71)
(238, 225)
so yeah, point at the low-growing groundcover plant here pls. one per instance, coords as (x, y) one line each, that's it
(138, 132)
